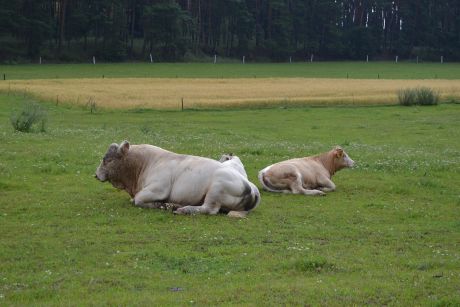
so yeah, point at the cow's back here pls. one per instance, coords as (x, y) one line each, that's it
(191, 179)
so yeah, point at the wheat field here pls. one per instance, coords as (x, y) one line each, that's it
(168, 93)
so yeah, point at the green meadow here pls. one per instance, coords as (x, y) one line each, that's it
(389, 235)
(355, 70)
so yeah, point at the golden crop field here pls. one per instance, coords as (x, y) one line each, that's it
(162, 93)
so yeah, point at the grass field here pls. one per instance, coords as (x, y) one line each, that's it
(354, 70)
(161, 93)
(389, 235)
(166, 86)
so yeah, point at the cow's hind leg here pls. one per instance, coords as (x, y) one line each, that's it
(297, 187)
(205, 208)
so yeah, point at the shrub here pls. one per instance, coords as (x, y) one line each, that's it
(406, 97)
(418, 96)
(30, 114)
(91, 105)
(426, 96)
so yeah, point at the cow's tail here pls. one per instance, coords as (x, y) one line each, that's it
(266, 183)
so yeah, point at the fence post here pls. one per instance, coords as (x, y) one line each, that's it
(182, 104)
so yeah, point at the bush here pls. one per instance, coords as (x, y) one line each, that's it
(406, 97)
(32, 113)
(426, 96)
(422, 96)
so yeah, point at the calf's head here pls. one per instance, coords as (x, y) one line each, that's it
(112, 164)
(341, 159)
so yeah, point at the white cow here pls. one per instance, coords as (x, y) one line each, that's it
(154, 176)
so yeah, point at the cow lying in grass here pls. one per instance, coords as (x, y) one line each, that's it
(154, 176)
(308, 176)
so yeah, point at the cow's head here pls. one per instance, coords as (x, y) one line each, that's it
(341, 159)
(112, 163)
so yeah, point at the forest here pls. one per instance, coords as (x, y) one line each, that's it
(259, 30)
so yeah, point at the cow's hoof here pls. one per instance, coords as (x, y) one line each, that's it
(238, 214)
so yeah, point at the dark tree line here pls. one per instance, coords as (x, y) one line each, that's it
(117, 30)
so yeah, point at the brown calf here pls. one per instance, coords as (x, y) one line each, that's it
(308, 176)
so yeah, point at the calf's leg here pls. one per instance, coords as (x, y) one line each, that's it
(297, 187)
(326, 185)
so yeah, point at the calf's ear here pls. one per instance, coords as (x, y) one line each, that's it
(124, 148)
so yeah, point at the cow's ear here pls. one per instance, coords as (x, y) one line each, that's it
(113, 147)
(124, 148)
(338, 152)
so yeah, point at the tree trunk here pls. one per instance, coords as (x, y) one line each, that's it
(62, 10)
(133, 21)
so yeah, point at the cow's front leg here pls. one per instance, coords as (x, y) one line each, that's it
(326, 185)
(151, 205)
(148, 199)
